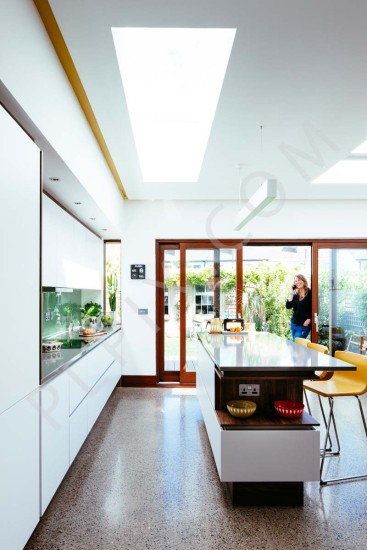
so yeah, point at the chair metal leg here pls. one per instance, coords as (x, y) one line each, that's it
(331, 418)
(329, 450)
(307, 402)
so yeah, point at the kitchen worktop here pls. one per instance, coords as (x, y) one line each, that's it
(74, 347)
(263, 351)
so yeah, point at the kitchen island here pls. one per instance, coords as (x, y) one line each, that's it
(265, 459)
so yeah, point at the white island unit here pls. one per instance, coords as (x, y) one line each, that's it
(265, 458)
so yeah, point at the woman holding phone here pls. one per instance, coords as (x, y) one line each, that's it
(299, 300)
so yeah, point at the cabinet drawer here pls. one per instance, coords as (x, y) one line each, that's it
(101, 392)
(78, 382)
(78, 428)
(99, 361)
(112, 346)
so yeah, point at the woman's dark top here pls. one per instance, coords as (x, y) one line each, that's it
(302, 309)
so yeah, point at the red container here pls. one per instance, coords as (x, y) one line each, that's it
(289, 409)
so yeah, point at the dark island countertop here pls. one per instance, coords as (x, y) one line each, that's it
(73, 348)
(263, 351)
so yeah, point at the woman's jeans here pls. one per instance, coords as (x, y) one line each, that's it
(299, 331)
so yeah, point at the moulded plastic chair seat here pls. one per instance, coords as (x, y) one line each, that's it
(301, 341)
(343, 384)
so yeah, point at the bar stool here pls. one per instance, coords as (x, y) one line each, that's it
(322, 375)
(342, 384)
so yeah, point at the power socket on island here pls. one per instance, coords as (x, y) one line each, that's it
(246, 390)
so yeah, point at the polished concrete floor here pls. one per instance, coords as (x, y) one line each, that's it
(145, 479)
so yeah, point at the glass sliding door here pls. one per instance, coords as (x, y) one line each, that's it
(195, 283)
(341, 308)
(268, 272)
(210, 290)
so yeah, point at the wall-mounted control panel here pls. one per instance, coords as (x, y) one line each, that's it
(137, 271)
(248, 390)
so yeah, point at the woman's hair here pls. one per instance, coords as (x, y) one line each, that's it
(302, 278)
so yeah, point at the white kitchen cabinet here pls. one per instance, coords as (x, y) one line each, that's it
(100, 393)
(78, 428)
(54, 436)
(20, 263)
(19, 472)
(72, 255)
(99, 362)
(49, 241)
(78, 381)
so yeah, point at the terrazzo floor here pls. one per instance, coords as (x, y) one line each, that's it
(145, 479)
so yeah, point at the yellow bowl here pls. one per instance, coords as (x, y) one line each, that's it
(241, 409)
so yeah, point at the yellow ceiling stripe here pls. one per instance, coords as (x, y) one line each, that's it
(63, 53)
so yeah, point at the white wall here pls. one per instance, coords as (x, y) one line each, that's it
(31, 71)
(148, 221)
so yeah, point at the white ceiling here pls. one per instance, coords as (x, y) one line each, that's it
(297, 69)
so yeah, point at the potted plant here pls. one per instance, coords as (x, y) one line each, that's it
(112, 285)
(90, 312)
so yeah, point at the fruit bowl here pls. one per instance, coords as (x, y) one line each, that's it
(241, 409)
(289, 409)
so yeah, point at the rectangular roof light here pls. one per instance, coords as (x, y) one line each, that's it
(172, 80)
(353, 169)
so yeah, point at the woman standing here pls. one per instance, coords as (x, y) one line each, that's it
(300, 301)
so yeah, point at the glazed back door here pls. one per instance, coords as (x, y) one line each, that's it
(340, 319)
(197, 281)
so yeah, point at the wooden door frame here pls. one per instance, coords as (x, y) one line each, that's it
(315, 244)
(183, 245)
(316, 247)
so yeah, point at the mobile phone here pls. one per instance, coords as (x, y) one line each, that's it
(294, 287)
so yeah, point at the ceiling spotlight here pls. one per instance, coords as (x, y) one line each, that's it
(92, 219)
(54, 179)
(77, 203)
(103, 229)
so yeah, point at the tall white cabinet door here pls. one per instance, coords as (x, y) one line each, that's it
(54, 436)
(19, 472)
(49, 241)
(20, 261)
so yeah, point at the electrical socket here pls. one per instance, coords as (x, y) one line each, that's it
(249, 389)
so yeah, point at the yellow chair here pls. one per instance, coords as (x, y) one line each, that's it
(342, 384)
(322, 375)
(301, 341)
(318, 347)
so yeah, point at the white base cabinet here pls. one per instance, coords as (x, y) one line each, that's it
(78, 428)
(99, 394)
(19, 472)
(54, 436)
(70, 405)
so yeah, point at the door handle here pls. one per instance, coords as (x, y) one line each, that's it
(316, 321)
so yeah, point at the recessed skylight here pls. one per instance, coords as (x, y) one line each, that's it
(172, 80)
(353, 169)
